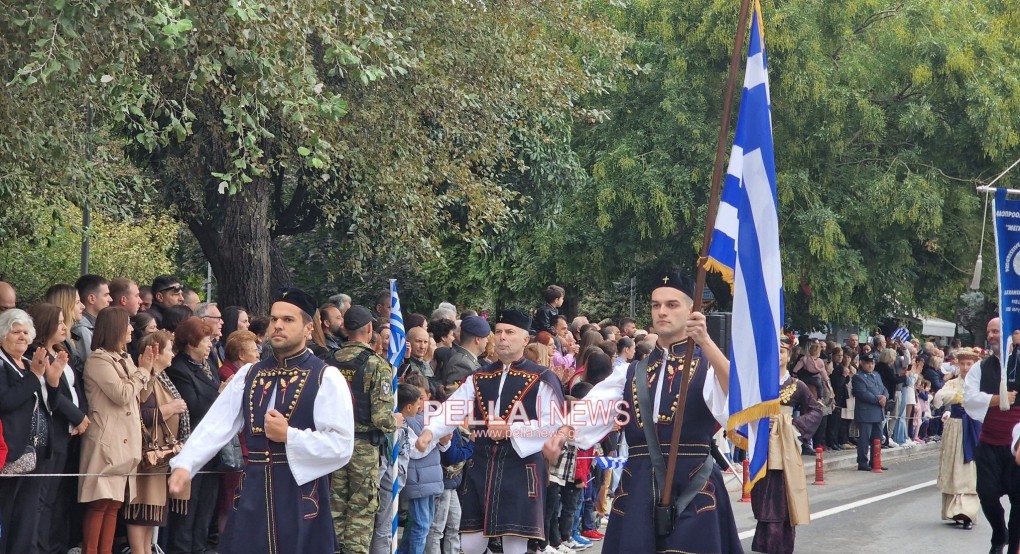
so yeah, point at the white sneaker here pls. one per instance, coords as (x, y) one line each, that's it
(893, 444)
(564, 549)
(575, 545)
(548, 550)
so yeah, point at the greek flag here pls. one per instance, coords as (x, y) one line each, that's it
(396, 351)
(745, 249)
(606, 462)
(901, 334)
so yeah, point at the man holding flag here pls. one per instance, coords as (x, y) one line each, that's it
(650, 389)
(354, 490)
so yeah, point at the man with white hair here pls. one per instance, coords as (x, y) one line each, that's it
(445, 310)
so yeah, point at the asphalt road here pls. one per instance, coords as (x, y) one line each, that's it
(893, 512)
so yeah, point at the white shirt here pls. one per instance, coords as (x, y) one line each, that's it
(310, 453)
(975, 402)
(527, 437)
(611, 391)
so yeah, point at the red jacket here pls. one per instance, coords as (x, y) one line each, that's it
(583, 471)
(3, 446)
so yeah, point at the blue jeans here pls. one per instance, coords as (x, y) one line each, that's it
(421, 512)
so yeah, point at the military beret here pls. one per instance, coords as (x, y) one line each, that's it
(475, 326)
(515, 317)
(869, 357)
(299, 298)
(673, 280)
(357, 317)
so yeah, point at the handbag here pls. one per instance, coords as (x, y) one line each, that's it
(229, 457)
(157, 455)
(28, 460)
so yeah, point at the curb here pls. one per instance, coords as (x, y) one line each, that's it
(834, 461)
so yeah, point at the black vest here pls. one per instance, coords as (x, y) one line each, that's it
(354, 371)
(991, 376)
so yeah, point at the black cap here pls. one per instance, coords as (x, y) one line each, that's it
(164, 282)
(869, 357)
(299, 298)
(475, 326)
(357, 317)
(515, 317)
(673, 280)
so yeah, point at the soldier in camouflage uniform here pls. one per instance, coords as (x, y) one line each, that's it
(354, 491)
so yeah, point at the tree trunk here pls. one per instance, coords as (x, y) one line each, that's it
(239, 250)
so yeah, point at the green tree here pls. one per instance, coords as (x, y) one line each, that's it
(384, 121)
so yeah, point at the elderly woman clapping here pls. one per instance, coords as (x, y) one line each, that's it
(25, 392)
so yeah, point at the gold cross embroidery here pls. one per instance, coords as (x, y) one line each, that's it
(665, 279)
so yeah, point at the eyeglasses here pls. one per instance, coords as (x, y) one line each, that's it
(212, 317)
(175, 288)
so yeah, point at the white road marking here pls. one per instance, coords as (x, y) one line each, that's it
(863, 502)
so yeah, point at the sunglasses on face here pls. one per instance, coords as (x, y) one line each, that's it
(174, 288)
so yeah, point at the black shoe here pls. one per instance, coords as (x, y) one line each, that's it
(998, 549)
(863, 468)
(968, 525)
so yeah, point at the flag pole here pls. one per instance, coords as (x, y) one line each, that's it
(713, 207)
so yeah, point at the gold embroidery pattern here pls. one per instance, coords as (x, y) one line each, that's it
(266, 378)
(530, 378)
(786, 393)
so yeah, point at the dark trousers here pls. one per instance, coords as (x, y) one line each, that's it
(19, 511)
(833, 427)
(591, 490)
(52, 529)
(819, 439)
(998, 475)
(189, 533)
(569, 496)
(552, 510)
(869, 432)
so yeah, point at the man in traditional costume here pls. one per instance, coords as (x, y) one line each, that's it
(705, 522)
(779, 500)
(997, 472)
(957, 472)
(297, 416)
(503, 493)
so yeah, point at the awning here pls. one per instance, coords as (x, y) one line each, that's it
(935, 327)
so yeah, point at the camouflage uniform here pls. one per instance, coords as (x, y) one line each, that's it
(354, 488)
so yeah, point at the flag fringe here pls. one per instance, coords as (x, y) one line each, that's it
(711, 264)
(746, 416)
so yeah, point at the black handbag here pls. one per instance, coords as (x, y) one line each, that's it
(229, 457)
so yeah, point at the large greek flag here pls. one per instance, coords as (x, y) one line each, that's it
(745, 249)
(397, 349)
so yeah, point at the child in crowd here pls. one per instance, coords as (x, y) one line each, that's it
(561, 477)
(409, 403)
(424, 477)
(575, 502)
(923, 410)
(444, 536)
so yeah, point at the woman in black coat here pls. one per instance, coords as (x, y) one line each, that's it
(25, 392)
(199, 385)
(68, 407)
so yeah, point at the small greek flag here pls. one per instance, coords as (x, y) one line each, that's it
(605, 462)
(745, 249)
(901, 334)
(396, 351)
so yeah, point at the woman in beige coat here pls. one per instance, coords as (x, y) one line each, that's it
(112, 447)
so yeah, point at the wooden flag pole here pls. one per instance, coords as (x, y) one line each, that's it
(713, 207)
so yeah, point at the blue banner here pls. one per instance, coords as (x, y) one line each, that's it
(1007, 246)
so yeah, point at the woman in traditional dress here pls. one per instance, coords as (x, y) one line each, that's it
(779, 501)
(957, 471)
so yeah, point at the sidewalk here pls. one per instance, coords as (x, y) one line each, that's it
(847, 459)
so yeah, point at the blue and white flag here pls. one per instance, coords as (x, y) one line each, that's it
(901, 334)
(1007, 246)
(606, 462)
(745, 249)
(397, 349)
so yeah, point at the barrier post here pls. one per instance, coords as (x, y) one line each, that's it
(745, 494)
(819, 468)
(876, 456)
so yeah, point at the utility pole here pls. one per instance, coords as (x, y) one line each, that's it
(86, 212)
